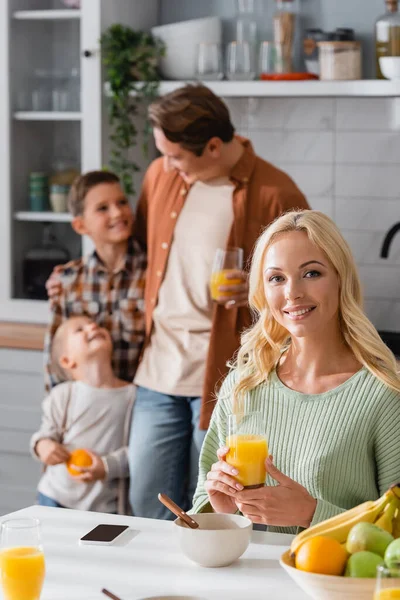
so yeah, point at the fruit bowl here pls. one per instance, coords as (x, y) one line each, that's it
(328, 587)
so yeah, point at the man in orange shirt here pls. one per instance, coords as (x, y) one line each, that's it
(208, 191)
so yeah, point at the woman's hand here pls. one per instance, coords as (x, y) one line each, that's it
(221, 485)
(286, 505)
(96, 471)
(51, 452)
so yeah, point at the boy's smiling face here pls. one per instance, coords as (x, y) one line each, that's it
(82, 340)
(107, 217)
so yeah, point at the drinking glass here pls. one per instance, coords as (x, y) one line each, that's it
(238, 62)
(21, 559)
(225, 261)
(387, 583)
(209, 62)
(270, 60)
(41, 97)
(248, 448)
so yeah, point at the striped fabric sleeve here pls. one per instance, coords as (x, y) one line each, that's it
(215, 438)
(325, 510)
(387, 442)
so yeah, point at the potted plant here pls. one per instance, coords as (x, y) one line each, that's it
(131, 60)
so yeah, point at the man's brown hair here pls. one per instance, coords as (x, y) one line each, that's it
(191, 116)
(83, 184)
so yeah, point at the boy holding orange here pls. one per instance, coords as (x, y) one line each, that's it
(90, 410)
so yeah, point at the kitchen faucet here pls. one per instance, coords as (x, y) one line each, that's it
(388, 240)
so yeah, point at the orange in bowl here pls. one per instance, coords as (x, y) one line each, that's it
(78, 458)
(322, 555)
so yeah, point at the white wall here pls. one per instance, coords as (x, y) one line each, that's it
(345, 156)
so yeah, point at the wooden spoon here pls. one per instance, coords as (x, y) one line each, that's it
(179, 512)
(110, 594)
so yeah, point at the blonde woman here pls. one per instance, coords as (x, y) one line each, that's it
(326, 384)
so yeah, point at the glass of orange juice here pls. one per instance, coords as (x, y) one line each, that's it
(21, 559)
(225, 262)
(248, 448)
(388, 583)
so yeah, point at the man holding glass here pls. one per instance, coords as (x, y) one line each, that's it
(209, 192)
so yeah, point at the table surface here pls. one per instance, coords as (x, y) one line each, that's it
(146, 562)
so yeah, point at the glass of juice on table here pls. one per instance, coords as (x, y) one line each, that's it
(248, 448)
(22, 564)
(388, 583)
(225, 262)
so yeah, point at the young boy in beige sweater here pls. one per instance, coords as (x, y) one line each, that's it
(91, 411)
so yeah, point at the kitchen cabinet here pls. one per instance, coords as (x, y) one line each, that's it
(21, 395)
(51, 119)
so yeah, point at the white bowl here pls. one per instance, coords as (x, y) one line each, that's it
(218, 541)
(181, 41)
(328, 587)
(390, 66)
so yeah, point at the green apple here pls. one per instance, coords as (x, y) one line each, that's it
(363, 564)
(369, 537)
(392, 554)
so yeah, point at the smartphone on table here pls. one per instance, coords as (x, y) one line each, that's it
(103, 534)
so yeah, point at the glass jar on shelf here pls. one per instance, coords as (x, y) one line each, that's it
(284, 27)
(41, 94)
(340, 60)
(246, 28)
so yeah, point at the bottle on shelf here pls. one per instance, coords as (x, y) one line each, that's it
(387, 34)
(284, 25)
(246, 28)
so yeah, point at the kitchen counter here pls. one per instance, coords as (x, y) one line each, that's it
(25, 336)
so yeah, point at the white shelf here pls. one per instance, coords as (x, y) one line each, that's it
(46, 217)
(362, 88)
(47, 15)
(47, 116)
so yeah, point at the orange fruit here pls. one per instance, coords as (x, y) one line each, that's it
(322, 555)
(78, 458)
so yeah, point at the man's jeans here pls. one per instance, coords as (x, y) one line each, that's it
(164, 448)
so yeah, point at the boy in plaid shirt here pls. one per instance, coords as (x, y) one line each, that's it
(107, 285)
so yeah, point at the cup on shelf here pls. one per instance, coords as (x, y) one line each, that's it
(209, 62)
(238, 62)
(59, 99)
(38, 191)
(59, 197)
(74, 90)
(270, 60)
(41, 100)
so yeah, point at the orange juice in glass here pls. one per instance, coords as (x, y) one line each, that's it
(248, 448)
(225, 262)
(22, 562)
(387, 583)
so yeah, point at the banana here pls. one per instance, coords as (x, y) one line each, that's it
(385, 520)
(338, 527)
(396, 525)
